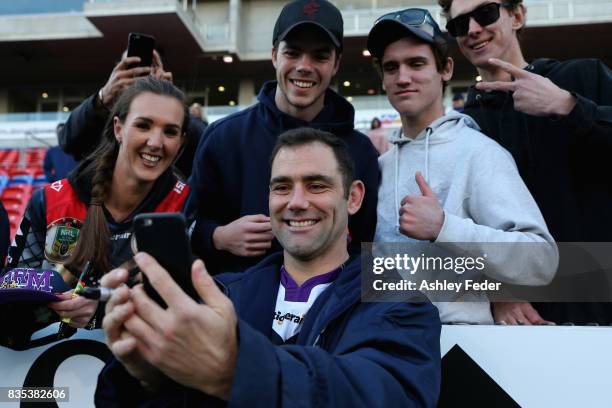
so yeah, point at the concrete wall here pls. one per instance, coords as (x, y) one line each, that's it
(258, 18)
(46, 27)
(381, 4)
(211, 15)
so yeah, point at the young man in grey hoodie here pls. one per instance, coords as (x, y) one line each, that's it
(443, 181)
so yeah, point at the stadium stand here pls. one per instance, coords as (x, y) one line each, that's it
(21, 172)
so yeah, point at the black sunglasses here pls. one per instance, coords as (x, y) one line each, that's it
(484, 15)
(414, 17)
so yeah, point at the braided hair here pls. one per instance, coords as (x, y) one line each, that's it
(94, 236)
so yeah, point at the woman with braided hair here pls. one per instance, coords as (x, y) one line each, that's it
(88, 216)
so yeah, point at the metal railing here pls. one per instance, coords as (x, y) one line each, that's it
(553, 12)
(215, 32)
(135, 2)
(185, 4)
(34, 116)
(358, 21)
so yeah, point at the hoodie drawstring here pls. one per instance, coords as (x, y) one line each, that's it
(399, 144)
(428, 132)
(396, 181)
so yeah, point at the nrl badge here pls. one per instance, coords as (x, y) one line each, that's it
(62, 235)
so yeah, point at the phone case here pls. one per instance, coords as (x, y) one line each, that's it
(141, 45)
(164, 237)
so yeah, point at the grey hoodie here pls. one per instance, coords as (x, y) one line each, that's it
(484, 201)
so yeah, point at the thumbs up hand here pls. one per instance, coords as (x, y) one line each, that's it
(421, 217)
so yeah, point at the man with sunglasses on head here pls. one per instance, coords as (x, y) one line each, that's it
(556, 120)
(444, 183)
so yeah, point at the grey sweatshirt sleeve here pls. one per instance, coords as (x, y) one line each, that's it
(501, 210)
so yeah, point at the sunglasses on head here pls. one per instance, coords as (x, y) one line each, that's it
(414, 17)
(484, 15)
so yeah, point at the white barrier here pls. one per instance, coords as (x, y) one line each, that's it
(77, 371)
(535, 366)
(539, 366)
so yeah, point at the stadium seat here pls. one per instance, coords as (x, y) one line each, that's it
(18, 192)
(4, 179)
(9, 158)
(35, 156)
(14, 206)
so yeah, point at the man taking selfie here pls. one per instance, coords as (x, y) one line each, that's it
(290, 331)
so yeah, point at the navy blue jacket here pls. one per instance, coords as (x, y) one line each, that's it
(348, 353)
(5, 229)
(57, 164)
(231, 171)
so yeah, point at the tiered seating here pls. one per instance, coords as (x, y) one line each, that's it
(9, 158)
(18, 179)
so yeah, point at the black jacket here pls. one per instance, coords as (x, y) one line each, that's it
(83, 132)
(563, 161)
(231, 171)
(4, 233)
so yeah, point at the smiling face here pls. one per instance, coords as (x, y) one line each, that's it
(305, 63)
(308, 206)
(496, 40)
(412, 81)
(150, 137)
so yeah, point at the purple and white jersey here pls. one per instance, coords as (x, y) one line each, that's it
(293, 302)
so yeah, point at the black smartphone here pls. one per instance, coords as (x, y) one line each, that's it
(141, 45)
(164, 237)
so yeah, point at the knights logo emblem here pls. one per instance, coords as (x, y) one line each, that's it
(61, 240)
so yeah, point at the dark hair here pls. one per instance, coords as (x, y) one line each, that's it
(374, 121)
(303, 136)
(440, 53)
(94, 236)
(511, 5)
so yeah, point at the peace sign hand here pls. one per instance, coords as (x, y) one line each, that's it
(533, 94)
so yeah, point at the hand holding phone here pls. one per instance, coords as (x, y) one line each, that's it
(164, 237)
(141, 45)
